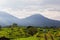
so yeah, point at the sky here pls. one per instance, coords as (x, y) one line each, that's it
(26, 8)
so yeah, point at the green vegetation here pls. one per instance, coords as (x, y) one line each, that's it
(15, 32)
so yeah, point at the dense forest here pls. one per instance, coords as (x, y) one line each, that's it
(15, 32)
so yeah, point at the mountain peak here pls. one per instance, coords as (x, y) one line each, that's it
(37, 15)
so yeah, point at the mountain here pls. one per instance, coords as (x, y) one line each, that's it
(39, 20)
(33, 20)
(7, 19)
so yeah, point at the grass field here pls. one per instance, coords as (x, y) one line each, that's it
(31, 33)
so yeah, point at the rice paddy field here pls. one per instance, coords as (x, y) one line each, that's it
(30, 33)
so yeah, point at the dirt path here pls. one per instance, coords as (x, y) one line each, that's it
(46, 37)
(51, 37)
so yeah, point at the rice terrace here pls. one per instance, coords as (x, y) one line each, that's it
(15, 32)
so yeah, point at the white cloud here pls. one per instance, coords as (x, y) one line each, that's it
(51, 14)
(25, 8)
(20, 13)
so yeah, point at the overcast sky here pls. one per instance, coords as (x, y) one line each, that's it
(25, 8)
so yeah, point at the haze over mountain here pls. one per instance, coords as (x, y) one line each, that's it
(7, 19)
(34, 20)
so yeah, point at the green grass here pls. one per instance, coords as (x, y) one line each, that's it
(21, 33)
(29, 38)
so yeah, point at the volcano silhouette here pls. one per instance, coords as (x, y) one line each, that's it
(33, 20)
(40, 20)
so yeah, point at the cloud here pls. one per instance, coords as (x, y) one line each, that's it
(19, 3)
(52, 2)
(30, 4)
(25, 8)
(20, 13)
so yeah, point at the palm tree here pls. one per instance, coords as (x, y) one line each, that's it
(14, 25)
